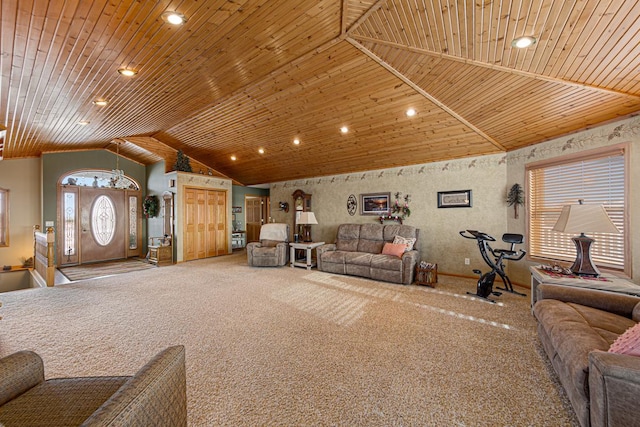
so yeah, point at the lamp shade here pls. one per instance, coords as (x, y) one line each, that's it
(307, 218)
(585, 219)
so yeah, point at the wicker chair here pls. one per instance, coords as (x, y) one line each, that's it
(273, 248)
(155, 395)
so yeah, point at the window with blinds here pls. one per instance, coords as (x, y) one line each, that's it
(4, 217)
(596, 178)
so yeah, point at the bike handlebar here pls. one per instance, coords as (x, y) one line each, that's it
(476, 235)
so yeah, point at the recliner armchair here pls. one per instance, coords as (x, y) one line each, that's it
(155, 395)
(273, 248)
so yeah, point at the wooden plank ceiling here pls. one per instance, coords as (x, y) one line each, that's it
(245, 75)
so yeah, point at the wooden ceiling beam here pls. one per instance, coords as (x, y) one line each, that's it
(424, 93)
(377, 5)
(494, 67)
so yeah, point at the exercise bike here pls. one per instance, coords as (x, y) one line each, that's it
(485, 282)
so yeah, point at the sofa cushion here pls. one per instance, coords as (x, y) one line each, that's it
(334, 257)
(386, 262)
(358, 258)
(628, 342)
(348, 237)
(394, 249)
(371, 238)
(407, 242)
(266, 243)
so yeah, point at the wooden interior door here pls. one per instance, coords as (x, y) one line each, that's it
(103, 224)
(254, 219)
(190, 224)
(220, 220)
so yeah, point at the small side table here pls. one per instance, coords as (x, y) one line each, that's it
(308, 261)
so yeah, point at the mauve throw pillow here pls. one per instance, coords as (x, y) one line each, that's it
(395, 249)
(628, 343)
(408, 242)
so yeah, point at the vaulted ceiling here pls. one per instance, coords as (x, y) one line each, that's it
(244, 75)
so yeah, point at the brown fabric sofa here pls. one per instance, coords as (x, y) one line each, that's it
(154, 396)
(358, 251)
(576, 327)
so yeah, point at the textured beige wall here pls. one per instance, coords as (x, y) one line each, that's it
(625, 131)
(489, 177)
(22, 178)
(439, 239)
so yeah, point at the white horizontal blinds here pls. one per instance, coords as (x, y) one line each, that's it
(4, 212)
(596, 180)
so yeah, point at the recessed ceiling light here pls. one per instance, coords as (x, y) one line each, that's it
(83, 122)
(234, 158)
(523, 42)
(127, 72)
(174, 18)
(261, 150)
(411, 112)
(344, 129)
(100, 102)
(296, 141)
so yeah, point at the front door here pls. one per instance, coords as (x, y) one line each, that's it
(102, 224)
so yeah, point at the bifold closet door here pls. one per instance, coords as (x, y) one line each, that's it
(205, 230)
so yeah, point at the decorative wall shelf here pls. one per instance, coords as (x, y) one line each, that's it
(394, 218)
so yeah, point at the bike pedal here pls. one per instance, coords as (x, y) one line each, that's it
(477, 272)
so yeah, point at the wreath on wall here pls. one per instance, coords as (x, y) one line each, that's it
(150, 206)
(399, 210)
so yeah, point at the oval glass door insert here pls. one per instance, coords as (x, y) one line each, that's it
(103, 220)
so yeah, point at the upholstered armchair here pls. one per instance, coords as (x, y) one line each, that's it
(156, 395)
(273, 248)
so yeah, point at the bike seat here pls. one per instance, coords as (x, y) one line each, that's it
(514, 239)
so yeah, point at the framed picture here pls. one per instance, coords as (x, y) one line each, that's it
(454, 199)
(375, 204)
(236, 209)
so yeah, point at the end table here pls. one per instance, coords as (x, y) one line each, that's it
(308, 261)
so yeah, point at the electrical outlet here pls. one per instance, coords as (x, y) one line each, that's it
(467, 261)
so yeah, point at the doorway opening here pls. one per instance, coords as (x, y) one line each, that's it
(257, 210)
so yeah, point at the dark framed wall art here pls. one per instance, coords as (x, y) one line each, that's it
(375, 203)
(454, 199)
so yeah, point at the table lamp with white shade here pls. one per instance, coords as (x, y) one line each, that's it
(306, 219)
(583, 218)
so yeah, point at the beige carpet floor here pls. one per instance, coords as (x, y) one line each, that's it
(291, 347)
